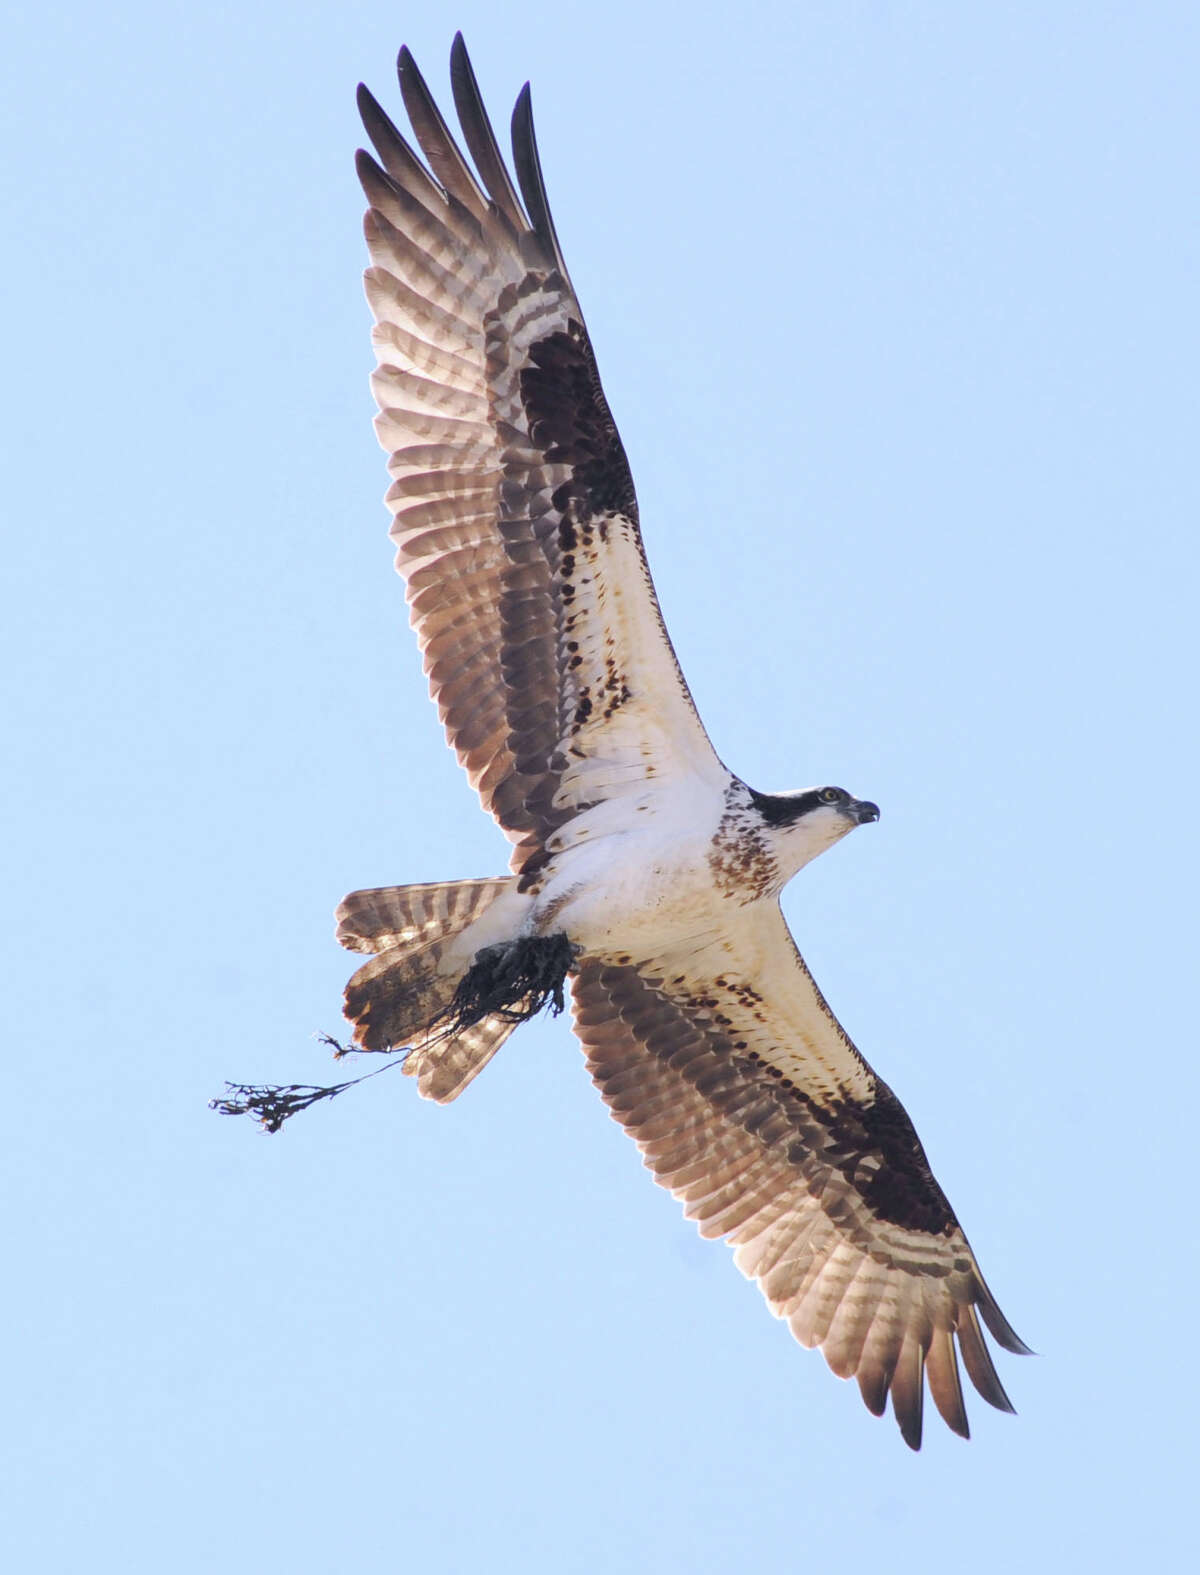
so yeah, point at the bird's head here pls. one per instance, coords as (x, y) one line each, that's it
(804, 823)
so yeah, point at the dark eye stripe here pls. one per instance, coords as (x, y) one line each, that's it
(783, 809)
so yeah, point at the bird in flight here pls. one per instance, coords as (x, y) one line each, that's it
(645, 876)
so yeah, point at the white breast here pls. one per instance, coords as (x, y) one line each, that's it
(633, 875)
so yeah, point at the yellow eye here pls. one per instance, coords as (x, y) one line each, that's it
(831, 795)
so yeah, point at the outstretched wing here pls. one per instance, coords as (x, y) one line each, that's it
(750, 1103)
(515, 518)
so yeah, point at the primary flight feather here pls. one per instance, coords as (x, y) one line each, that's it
(644, 873)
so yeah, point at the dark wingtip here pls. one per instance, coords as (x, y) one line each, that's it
(1000, 1400)
(874, 1394)
(977, 1359)
(367, 168)
(481, 139)
(1001, 1330)
(529, 178)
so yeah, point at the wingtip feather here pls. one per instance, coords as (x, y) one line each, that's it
(945, 1385)
(481, 139)
(978, 1362)
(908, 1390)
(1001, 1330)
(529, 177)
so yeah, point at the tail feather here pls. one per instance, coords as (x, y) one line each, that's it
(383, 917)
(398, 997)
(404, 996)
(443, 1070)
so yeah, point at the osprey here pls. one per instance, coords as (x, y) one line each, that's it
(642, 870)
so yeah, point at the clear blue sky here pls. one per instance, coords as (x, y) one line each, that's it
(896, 308)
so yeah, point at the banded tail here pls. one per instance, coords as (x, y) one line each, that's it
(405, 996)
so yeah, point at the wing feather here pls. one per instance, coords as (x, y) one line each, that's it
(533, 186)
(435, 139)
(480, 138)
(754, 1108)
(908, 1388)
(515, 517)
(396, 158)
(848, 1329)
(941, 1370)
(978, 1362)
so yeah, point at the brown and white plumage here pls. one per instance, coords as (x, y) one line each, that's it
(517, 532)
(514, 507)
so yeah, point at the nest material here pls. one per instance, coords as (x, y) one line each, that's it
(514, 981)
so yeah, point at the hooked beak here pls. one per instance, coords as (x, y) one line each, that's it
(861, 811)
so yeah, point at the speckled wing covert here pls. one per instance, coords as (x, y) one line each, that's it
(516, 524)
(517, 533)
